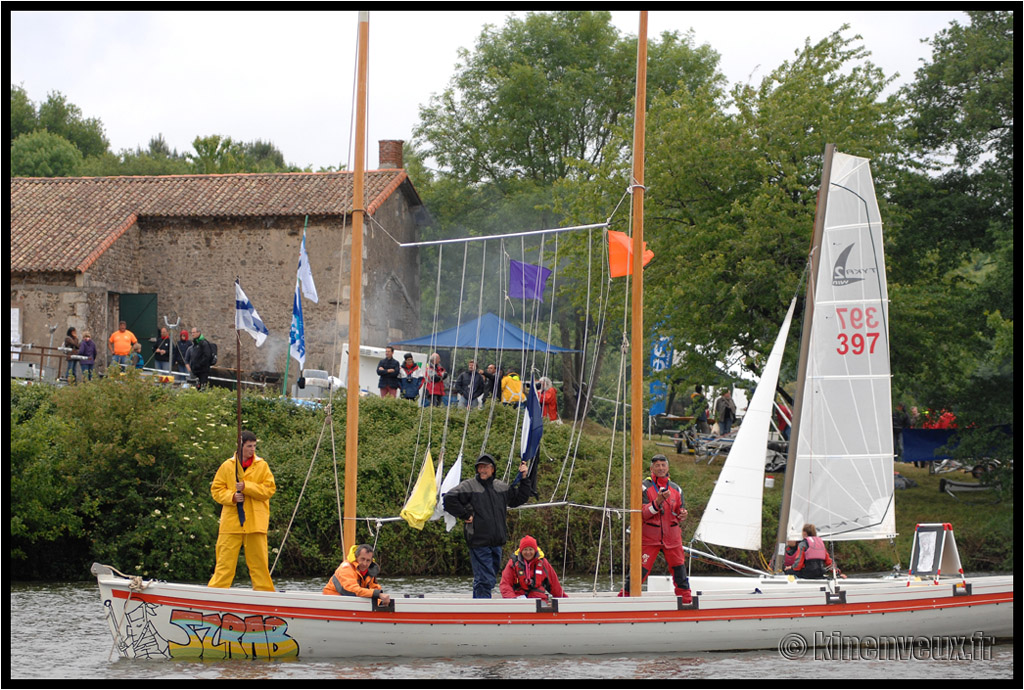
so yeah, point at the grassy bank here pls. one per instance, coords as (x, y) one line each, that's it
(118, 471)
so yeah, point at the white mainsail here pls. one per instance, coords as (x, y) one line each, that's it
(843, 470)
(733, 514)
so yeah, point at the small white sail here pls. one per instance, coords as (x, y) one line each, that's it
(451, 480)
(843, 472)
(733, 514)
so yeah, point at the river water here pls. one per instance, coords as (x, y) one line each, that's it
(58, 630)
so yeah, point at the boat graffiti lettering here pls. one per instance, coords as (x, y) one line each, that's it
(227, 636)
(138, 637)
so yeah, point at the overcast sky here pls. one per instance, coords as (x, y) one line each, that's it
(287, 77)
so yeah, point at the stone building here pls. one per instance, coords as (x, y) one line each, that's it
(88, 252)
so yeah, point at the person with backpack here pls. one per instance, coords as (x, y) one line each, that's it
(203, 356)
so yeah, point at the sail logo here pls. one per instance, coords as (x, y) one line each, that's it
(845, 275)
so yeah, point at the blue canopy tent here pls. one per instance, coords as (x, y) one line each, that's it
(494, 334)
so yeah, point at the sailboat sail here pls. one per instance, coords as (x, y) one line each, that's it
(733, 514)
(843, 470)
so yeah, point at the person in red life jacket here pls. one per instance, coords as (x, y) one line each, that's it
(357, 577)
(663, 512)
(528, 575)
(812, 559)
(790, 557)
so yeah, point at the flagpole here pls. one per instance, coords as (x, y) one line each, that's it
(238, 413)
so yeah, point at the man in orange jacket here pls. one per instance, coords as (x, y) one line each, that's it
(357, 577)
(251, 484)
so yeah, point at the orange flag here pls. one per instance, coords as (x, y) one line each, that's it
(620, 254)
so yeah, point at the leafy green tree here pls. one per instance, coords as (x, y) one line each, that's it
(24, 118)
(59, 116)
(44, 154)
(954, 265)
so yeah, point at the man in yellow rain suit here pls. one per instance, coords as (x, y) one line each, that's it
(248, 483)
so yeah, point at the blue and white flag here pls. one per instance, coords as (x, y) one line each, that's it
(297, 333)
(533, 426)
(246, 318)
(305, 273)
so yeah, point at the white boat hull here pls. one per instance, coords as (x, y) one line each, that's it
(166, 620)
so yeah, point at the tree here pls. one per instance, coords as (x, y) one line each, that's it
(44, 154)
(954, 265)
(63, 118)
(23, 113)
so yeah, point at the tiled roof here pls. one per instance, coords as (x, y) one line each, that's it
(64, 224)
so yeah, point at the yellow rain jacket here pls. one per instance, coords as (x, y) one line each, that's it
(259, 487)
(512, 390)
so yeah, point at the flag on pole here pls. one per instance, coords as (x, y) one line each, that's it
(620, 254)
(533, 429)
(246, 318)
(297, 332)
(305, 273)
(420, 506)
(527, 281)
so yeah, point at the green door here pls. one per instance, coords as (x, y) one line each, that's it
(139, 313)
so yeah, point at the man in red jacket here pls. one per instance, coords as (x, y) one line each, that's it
(663, 512)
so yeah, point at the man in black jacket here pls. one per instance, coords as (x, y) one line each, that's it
(483, 503)
(201, 358)
(387, 370)
(471, 386)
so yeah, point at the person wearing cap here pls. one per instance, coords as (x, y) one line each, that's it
(482, 502)
(528, 575)
(664, 508)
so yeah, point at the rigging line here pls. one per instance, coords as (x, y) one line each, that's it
(455, 353)
(499, 371)
(595, 357)
(551, 311)
(520, 406)
(337, 489)
(457, 240)
(583, 360)
(476, 348)
(373, 221)
(280, 550)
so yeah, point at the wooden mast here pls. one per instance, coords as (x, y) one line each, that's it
(805, 342)
(637, 335)
(355, 294)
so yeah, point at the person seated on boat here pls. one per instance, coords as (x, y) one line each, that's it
(812, 559)
(482, 502)
(357, 577)
(790, 557)
(528, 575)
(512, 389)
(664, 509)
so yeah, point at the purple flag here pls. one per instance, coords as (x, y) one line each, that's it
(527, 281)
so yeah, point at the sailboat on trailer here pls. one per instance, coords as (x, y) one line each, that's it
(153, 619)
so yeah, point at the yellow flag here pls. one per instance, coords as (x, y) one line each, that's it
(420, 506)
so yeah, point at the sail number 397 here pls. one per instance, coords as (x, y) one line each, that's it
(857, 319)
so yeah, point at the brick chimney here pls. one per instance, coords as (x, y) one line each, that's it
(390, 153)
